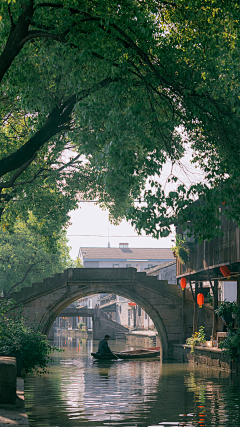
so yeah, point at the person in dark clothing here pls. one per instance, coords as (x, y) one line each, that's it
(103, 345)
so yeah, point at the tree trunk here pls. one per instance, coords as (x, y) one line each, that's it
(18, 32)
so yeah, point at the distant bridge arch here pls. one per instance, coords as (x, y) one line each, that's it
(160, 300)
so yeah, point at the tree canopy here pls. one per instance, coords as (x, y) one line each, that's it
(27, 255)
(97, 96)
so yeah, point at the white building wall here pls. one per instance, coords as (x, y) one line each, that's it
(89, 302)
(122, 311)
(229, 291)
(140, 266)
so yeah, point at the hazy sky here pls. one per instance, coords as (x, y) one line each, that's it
(90, 228)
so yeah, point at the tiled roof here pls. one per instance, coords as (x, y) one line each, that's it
(155, 270)
(127, 253)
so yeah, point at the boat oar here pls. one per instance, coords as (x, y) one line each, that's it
(115, 355)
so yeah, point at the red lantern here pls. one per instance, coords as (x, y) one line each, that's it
(200, 300)
(183, 282)
(225, 271)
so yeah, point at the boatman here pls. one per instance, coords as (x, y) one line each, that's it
(103, 345)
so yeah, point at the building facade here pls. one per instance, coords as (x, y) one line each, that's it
(124, 257)
(123, 311)
(164, 271)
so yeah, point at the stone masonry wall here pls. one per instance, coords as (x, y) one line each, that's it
(211, 357)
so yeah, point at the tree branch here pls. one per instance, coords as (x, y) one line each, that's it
(36, 33)
(11, 18)
(17, 33)
(11, 181)
(57, 121)
(49, 172)
(58, 6)
(24, 277)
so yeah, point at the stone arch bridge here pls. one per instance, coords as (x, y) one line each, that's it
(160, 300)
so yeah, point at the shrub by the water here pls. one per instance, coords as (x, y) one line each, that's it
(231, 344)
(17, 337)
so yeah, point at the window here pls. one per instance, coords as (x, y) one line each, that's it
(115, 265)
(146, 316)
(139, 311)
(128, 265)
(123, 245)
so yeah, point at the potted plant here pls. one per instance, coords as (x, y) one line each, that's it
(234, 309)
(81, 326)
(197, 338)
(223, 309)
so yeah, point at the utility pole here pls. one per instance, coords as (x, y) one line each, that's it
(195, 313)
(215, 306)
(183, 317)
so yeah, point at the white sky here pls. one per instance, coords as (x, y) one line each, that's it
(90, 228)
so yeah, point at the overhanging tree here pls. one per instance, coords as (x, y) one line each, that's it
(26, 255)
(119, 83)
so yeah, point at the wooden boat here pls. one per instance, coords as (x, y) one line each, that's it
(107, 356)
(139, 354)
(143, 353)
(153, 348)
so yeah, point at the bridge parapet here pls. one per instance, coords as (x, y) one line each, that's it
(161, 300)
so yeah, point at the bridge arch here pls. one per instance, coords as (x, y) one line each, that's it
(160, 300)
(53, 311)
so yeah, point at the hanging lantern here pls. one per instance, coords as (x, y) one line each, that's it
(183, 282)
(225, 271)
(200, 300)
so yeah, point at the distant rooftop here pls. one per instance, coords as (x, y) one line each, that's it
(126, 253)
(156, 268)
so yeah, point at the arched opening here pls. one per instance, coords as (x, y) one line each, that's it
(142, 314)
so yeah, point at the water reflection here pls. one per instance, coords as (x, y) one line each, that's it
(80, 391)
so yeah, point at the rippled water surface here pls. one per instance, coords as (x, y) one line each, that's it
(82, 392)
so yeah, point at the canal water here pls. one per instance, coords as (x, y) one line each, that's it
(82, 392)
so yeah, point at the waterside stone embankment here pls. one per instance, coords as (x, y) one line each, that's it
(12, 406)
(210, 356)
(145, 338)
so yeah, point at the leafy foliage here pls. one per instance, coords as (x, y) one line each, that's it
(181, 250)
(210, 298)
(231, 344)
(196, 338)
(226, 307)
(30, 251)
(235, 308)
(98, 97)
(15, 336)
